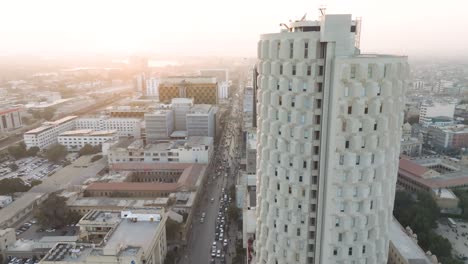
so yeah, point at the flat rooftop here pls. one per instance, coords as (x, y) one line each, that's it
(405, 245)
(110, 202)
(200, 109)
(188, 79)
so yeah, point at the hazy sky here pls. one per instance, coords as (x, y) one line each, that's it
(220, 27)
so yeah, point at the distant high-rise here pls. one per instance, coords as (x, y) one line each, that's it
(329, 127)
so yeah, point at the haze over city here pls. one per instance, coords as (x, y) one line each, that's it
(233, 132)
(219, 28)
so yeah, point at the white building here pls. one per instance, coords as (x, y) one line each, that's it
(10, 119)
(5, 200)
(126, 127)
(430, 109)
(191, 150)
(74, 140)
(159, 124)
(181, 106)
(152, 87)
(327, 154)
(47, 134)
(223, 90)
(201, 120)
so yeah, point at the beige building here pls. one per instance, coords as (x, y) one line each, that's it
(204, 90)
(404, 247)
(116, 238)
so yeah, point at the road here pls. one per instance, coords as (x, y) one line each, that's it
(223, 175)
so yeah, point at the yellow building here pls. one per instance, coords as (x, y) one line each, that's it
(204, 90)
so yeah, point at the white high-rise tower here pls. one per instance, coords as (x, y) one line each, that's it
(329, 129)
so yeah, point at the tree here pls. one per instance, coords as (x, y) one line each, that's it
(11, 185)
(48, 113)
(32, 151)
(17, 151)
(233, 212)
(413, 119)
(56, 153)
(35, 182)
(54, 213)
(26, 120)
(172, 229)
(96, 158)
(87, 149)
(13, 167)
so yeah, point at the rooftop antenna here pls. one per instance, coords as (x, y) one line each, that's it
(284, 25)
(322, 10)
(304, 17)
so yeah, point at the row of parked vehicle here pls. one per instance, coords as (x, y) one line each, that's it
(16, 260)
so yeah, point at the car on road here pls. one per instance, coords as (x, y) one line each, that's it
(202, 220)
(218, 253)
(212, 199)
(225, 242)
(203, 215)
(50, 230)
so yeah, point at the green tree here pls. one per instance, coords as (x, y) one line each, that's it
(87, 149)
(48, 113)
(35, 182)
(32, 151)
(56, 153)
(96, 158)
(54, 213)
(233, 212)
(26, 120)
(17, 151)
(13, 167)
(413, 119)
(12, 185)
(173, 229)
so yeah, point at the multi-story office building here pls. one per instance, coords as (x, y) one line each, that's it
(152, 87)
(10, 119)
(431, 109)
(201, 121)
(181, 106)
(74, 140)
(159, 125)
(448, 137)
(204, 90)
(47, 134)
(329, 124)
(125, 127)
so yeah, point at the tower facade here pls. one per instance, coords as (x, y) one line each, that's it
(329, 127)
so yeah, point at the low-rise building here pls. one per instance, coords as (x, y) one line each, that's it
(125, 126)
(404, 248)
(19, 208)
(10, 118)
(190, 150)
(5, 200)
(251, 151)
(74, 140)
(83, 205)
(47, 134)
(111, 237)
(448, 137)
(430, 109)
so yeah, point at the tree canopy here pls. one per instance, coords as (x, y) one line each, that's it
(54, 213)
(11, 185)
(87, 149)
(19, 151)
(172, 229)
(56, 153)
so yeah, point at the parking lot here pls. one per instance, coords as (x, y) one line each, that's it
(458, 237)
(29, 169)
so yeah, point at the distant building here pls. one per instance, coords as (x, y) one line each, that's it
(10, 119)
(204, 90)
(410, 146)
(251, 151)
(430, 109)
(47, 134)
(5, 200)
(125, 127)
(448, 137)
(74, 140)
(128, 112)
(201, 121)
(136, 237)
(222, 75)
(19, 208)
(159, 125)
(223, 90)
(152, 87)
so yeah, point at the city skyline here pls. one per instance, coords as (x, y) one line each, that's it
(58, 28)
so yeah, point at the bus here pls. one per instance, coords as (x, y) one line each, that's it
(451, 223)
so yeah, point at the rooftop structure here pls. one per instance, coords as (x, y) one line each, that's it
(204, 90)
(47, 134)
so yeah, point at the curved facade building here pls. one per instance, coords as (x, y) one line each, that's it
(329, 127)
